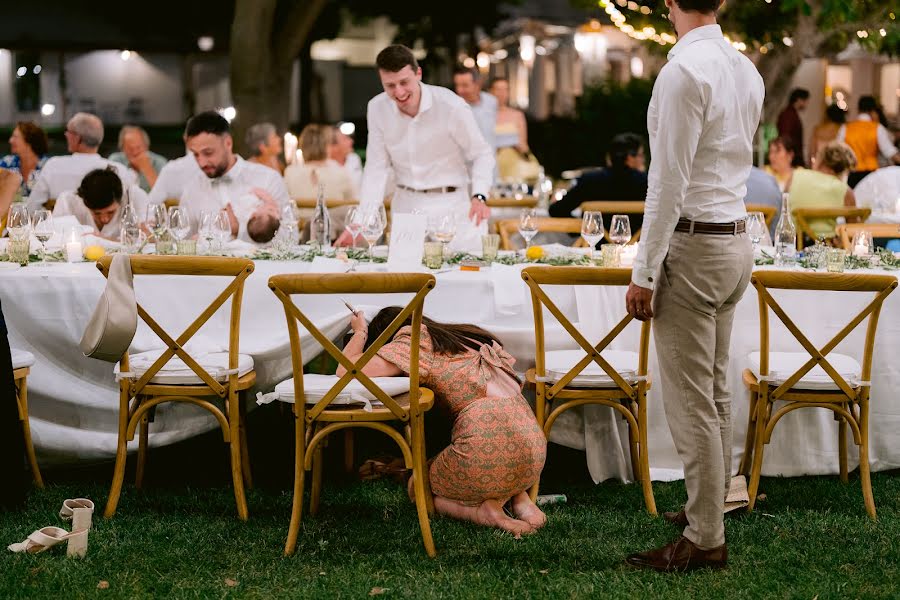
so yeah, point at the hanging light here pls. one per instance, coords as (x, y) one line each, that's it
(526, 49)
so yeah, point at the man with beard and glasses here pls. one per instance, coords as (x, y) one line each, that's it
(226, 177)
(695, 261)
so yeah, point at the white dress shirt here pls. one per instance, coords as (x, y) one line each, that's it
(879, 190)
(64, 174)
(427, 151)
(702, 117)
(173, 177)
(204, 194)
(70, 203)
(486, 116)
(886, 147)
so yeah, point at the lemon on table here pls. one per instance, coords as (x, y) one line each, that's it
(94, 252)
(534, 253)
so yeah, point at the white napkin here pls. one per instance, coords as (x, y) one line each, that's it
(316, 386)
(324, 264)
(510, 292)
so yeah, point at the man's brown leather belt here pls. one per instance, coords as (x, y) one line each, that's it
(688, 226)
(438, 190)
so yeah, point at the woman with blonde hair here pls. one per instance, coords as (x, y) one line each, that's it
(825, 185)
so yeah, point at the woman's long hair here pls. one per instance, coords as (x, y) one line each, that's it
(446, 338)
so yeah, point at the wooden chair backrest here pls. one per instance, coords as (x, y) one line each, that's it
(526, 202)
(285, 286)
(802, 216)
(50, 204)
(536, 277)
(170, 202)
(507, 227)
(616, 207)
(329, 202)
(763, 281)
(236, 268)
(848, 231)
(767, 210)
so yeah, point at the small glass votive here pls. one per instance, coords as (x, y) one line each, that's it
(19, 247)
(434, 255)
(490, 244)
(165, 246)
(186, 247)
(836, 258)
(609, 254)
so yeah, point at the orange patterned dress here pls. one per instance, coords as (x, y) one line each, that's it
(497, 449)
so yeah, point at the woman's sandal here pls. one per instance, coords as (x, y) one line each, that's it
(46, 538)
(70, 506)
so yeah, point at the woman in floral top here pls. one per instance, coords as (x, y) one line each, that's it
(28, 143)
(497, 449)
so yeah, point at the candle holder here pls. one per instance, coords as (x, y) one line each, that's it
(73, 246)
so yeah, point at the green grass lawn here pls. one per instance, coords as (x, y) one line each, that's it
(180, 538)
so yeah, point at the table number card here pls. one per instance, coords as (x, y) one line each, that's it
(407, 242)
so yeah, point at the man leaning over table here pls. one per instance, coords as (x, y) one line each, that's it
(425, 135)
(696, 257)
(225, 177)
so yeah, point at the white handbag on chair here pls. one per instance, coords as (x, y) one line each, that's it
(112, 326)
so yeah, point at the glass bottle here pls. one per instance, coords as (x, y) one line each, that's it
(785, 236)
(320, 227)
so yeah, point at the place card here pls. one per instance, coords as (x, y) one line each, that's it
(407, 242)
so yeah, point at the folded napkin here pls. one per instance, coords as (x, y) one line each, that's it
(316, 386)
(510, 292)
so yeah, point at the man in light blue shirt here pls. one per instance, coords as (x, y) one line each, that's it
(467, 83)
(763, 189)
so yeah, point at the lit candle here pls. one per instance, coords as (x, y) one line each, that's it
(74, 252)
(627, 255)
(861, 250)
(897, 206)
(290, 146)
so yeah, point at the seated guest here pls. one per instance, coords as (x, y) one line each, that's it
(265, 146)
(173, 178)
(28, 144)
(473, 378)
(84, 133)
(227, 176)
(134, 153)
(763, 189)
(880, 190)
(869, 139)
(9, 188)
(623, 179)
(515, 161)
(303, 179)
(781, 161)
(340, 151)
(824, 186)
(99, 202)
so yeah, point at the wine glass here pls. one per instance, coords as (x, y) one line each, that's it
(620, 229)
(288, 227)
(592, 228)
(373, 225)
(756, 228)
(222, 229)
(18, 219)
(206, 229)
(179, 222)
(42, 226)
(353, 224)
(444, 228)
(528, 225)
(157, 220)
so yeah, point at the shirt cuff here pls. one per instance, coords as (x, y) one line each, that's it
(643, 277)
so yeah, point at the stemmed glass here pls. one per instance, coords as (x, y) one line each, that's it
(528, 225)
(179, 222)
(373, 224)
(288, 225)
(18, 220)
(756, 228)
(206, 230)
(592, 229)
(353, 224)
(222, 229)
(42, 226)
(620, 230)
(444, 229)
(157, 220)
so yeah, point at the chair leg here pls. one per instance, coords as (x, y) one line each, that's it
(115, 489)
(22, 398)
(864, 474)
(299, 474)
(316, 491)
(842, 448)
(234, 445)
(426, 471)
(419, 475)
(635, 449)
(245, 448)
(747, 458)
(644, 457)
(758, 450)
(348, 451)
(143, 438)
(540, 408)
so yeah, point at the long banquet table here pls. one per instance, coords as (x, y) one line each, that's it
(73, 400)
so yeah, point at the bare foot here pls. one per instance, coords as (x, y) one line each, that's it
(491, 513)
(526, 510)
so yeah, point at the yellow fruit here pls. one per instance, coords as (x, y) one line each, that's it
(534, 253)
(94, 252)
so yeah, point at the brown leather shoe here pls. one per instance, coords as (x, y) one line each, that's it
(680, 556)
(678, 518)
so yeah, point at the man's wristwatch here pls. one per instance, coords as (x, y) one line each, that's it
(481, 197)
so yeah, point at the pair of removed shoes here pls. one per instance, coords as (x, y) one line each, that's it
(682, 554)
(77, 510)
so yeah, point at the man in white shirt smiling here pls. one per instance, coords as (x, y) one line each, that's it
(84, 133)
(426, 135)
(702, 117)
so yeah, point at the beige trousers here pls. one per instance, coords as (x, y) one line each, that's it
(699, 285)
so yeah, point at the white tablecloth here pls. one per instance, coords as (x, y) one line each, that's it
(74, 402)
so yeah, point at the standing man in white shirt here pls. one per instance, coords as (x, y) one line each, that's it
(426, 135)
(228, 178)
(84, 134)
(695, 254)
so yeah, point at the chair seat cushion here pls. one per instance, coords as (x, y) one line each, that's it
(784, 364)
(21, 358)
(176, 372)
(316, 386)
(560, 362)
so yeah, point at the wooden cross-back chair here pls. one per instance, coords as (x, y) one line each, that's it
(627, 397)
(170, 202)
(329, 202)
(847, 231)
(767, 210)
(848, 400)
(617, 207)
(804, 215)
(314, 424)
(508, 227)
(526, 202)
(139, 393)
(21, 364)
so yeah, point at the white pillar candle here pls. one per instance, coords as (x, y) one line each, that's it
(627, 255)
(74, 251)
(861, 250)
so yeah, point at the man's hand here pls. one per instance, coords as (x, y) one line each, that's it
(345, 239)
(638, 302)
(479, 211)
(232, 219)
